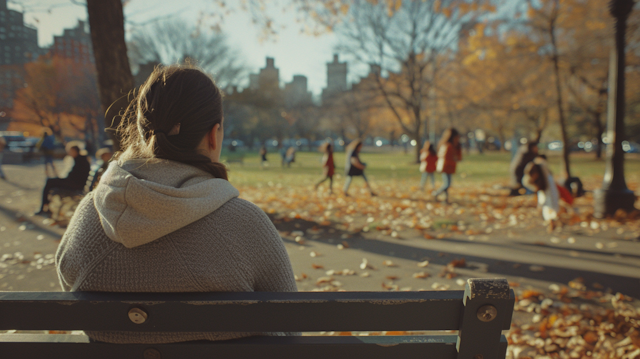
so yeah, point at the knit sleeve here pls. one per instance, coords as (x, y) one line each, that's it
(271, 265)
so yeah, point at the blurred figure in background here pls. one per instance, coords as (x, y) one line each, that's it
(327, 165)
(290, 156)
(47, 144)
(538, 178)
(428, 160)
(481, 137)
(3, 144)
(354, 167)
(449, 153)
(103, 156)
(263, 156)
(75, 180)
(526, 153)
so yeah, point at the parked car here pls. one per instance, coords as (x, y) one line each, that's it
(555, 146)
(630, 147)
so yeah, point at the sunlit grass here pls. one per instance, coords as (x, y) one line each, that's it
(491, 167)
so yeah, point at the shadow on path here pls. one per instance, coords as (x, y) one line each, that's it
(623, 284)
(35, 220)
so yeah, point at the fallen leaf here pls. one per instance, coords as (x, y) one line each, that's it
(423, 264)
(420, 275)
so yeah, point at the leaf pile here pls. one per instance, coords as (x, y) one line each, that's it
(568, 326)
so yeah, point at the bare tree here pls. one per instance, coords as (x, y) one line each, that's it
(409, 45)
(173, 41)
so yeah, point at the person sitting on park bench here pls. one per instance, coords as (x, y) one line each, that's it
(164, 217)
(74, 181)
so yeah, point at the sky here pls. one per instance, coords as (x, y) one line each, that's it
(294, 53)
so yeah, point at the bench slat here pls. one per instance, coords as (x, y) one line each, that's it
(373, 347)
(244, 312)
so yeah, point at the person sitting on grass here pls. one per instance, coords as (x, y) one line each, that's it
(524, 156)
(75, 180)
(164, 217)
(538, 178)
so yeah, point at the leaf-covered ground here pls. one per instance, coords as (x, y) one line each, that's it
(577, 283)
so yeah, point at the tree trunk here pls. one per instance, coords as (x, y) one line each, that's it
(599, 132)
(416, 137)
(106, 20)
(563, 124)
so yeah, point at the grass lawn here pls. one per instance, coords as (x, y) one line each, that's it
(491, 167)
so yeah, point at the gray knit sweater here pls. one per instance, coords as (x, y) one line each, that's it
(163, 226)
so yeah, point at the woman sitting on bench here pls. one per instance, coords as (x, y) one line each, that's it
(164, 218)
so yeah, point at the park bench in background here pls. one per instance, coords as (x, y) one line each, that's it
(63, 202)
(234, 157)
(479, 314)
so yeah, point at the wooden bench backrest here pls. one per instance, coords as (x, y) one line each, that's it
(479, 314)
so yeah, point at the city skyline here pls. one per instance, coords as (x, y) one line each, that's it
(296, 53)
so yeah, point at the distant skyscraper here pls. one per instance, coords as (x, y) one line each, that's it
(267, 81)
(269, 78)
(296, 93)
(336, 78)
(18, 45)
(74, 44)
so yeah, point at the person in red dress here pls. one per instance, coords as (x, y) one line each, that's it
(449, 153)
(328, 166)
(428, 160)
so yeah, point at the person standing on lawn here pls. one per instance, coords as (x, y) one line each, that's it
(328, 166)
(449, 154)
(354, 167)
(263, 156)
(428, 160)
(164, 217)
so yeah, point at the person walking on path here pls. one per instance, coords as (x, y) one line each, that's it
(75, 180)
(164, 217)
(47, 144)
(3, 144)
(328, 166)
(263, 157)
(428, 160)
(355, 167)
(449, 153)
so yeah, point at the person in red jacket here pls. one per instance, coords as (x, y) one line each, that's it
(449, 153)
(328, 166)
(428, 159)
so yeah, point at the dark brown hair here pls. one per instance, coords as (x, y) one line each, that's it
(428, 147)
(354, 145)
(535, 170)
(448, 136)
(174, 97)
(326, 147)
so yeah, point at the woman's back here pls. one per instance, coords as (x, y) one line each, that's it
(164, 226)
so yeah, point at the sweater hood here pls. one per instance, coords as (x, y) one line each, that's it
(139, 201)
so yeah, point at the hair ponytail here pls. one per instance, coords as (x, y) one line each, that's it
(177, 96)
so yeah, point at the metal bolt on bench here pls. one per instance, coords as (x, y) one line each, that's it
(479, 314)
